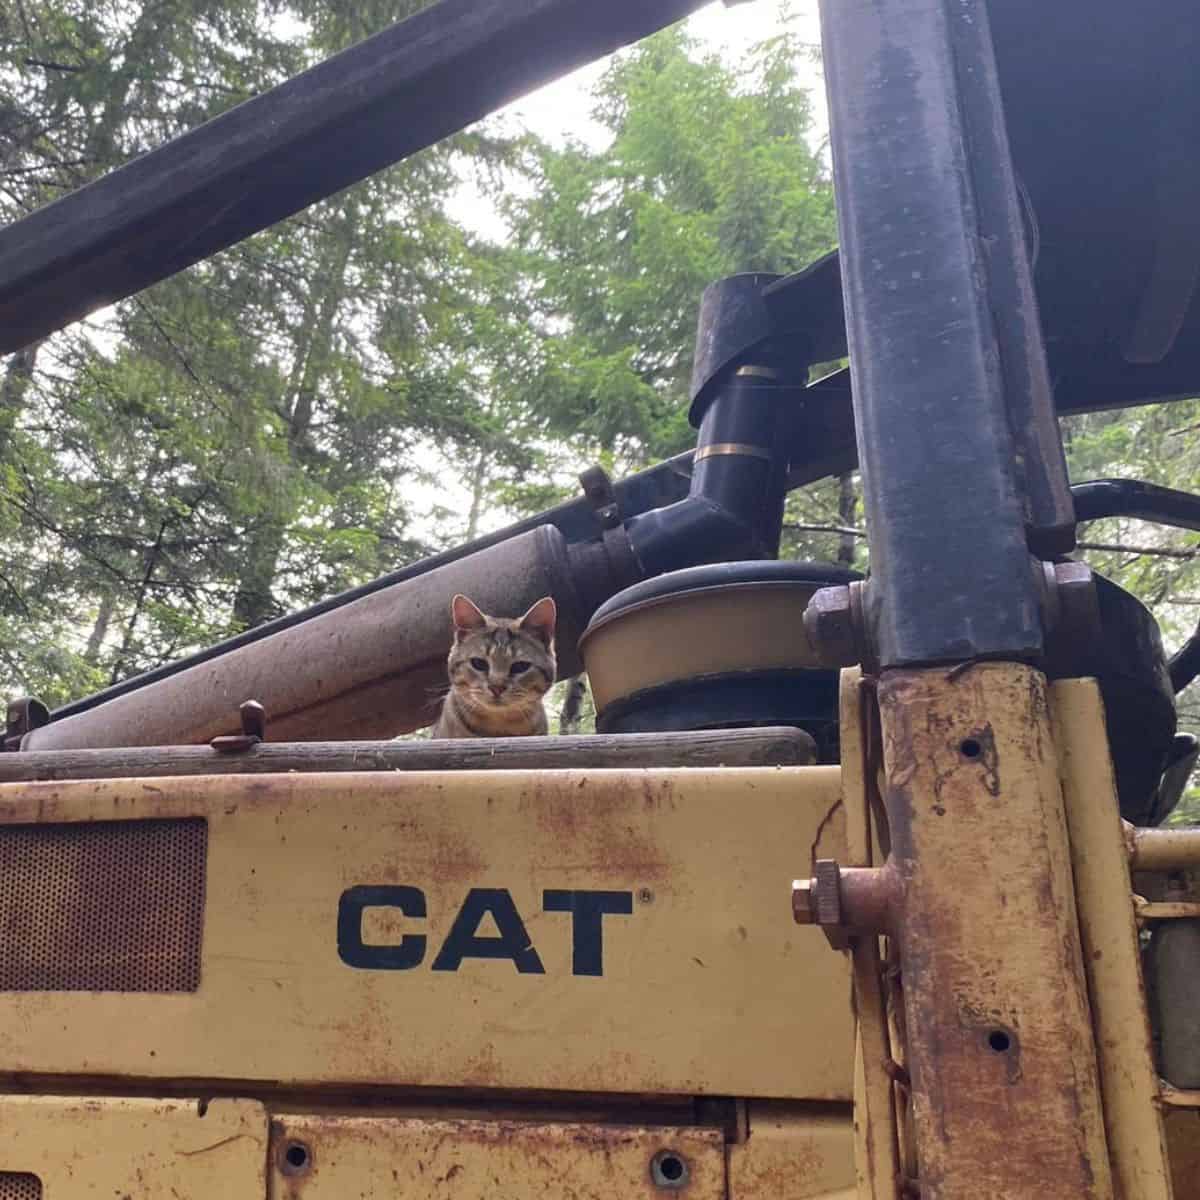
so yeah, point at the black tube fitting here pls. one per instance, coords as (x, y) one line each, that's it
(1099, 498)
(734, 509)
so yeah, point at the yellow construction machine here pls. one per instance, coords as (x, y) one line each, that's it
(869, 896)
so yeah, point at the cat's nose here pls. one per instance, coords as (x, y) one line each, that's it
(496, 688)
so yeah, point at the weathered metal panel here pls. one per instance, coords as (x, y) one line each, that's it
(695, 982)
(1000, 1044)
(332, 1158)
(1183, 1147)
(136, 1149)
(794, 1152)
(1111, 954)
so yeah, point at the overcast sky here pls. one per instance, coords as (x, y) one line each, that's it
(563, 108)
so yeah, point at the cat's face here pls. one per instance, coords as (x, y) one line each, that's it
(497, 663)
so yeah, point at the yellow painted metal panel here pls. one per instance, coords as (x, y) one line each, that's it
(999, 1043)
(135, 1148)
(1183, 1147)
(707, 986)
(333, 1158)
(794, 1153)
(1111, 956)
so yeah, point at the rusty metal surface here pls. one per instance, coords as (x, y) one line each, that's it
(1166, 910)
(876, 1145)
(334, 1158)
(847, 900)
(102, 906)
(1174, 1097)
(793, 1152)
(83, 1148)
(1001, 1053)
(1183, 1148)
(834, 634)
(695, 983)
(20, 1185)
(1162, 849)
(1111, 953)
(371, 668)
(783, 746)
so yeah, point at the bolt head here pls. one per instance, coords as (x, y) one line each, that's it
(829, 623)
(804, 902)
(1078, 608)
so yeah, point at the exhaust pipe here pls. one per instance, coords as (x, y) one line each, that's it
(373, 668)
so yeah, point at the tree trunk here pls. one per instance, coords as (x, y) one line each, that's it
(478, 490)
(254, 601)
(569, 717)
(95, 642)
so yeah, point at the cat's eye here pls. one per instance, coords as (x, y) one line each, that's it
(519, 668)
(480, 664)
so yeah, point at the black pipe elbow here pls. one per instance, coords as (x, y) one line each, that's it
(734, 508)
(690, 532)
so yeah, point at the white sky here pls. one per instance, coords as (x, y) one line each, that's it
(563, 106)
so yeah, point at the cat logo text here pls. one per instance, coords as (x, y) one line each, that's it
(585, 909)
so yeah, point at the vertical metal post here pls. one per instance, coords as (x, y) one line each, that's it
(948, 546)
(949, 389)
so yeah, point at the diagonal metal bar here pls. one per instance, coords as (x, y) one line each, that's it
(344, 119)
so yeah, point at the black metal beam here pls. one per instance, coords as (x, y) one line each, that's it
(950, 564)
(354, 114)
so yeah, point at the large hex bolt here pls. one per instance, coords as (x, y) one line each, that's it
(1078, 605)
(818, 901)
(845, 901)
(1071, 616)
(829, 621)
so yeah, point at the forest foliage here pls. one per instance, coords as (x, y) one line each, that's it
(374, 379)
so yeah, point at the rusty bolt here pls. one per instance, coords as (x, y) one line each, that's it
(254, 719)
(830, 625)
(827, 876)
(803, 902)
(254, 730)
(818, 901)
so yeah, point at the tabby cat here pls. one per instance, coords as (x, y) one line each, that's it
(499, 671)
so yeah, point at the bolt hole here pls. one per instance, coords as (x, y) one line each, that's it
(296, 1158)
(999, 1041)
(970, 748)
(668, 1169)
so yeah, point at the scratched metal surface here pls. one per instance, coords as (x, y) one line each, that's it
(706, 985)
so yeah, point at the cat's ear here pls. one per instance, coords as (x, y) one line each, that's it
(467, 618)
(539, 620)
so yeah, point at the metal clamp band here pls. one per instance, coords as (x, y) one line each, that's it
(741, 448)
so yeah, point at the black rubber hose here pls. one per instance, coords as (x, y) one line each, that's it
(1132, 498)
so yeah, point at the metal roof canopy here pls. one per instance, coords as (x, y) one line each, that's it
(1102, 109)
(342, 120)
